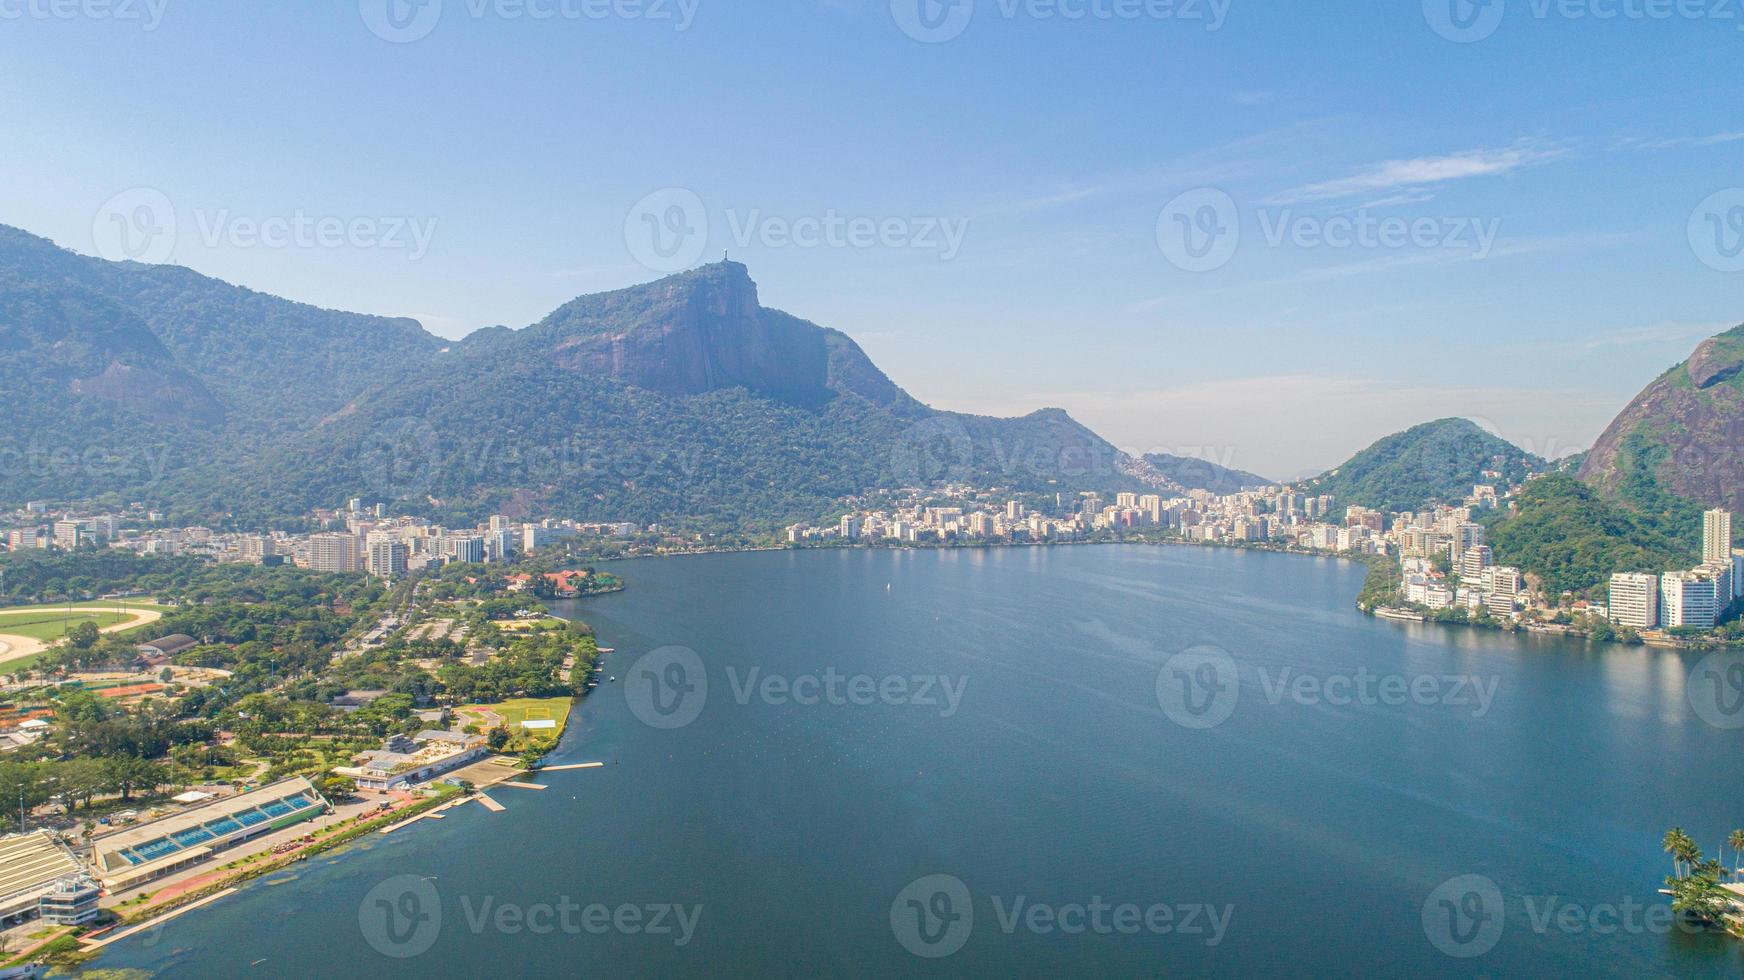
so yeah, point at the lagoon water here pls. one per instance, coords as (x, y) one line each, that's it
(1315, 818)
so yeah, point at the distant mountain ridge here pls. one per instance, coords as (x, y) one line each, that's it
(1198, 473)
(680, 398)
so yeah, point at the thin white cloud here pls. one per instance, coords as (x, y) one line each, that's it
(1420, 172)
(1678, 142)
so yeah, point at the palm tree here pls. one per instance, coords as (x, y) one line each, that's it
(1674, 846)
(1736, 842)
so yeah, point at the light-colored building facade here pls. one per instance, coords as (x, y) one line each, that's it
(1634, 600)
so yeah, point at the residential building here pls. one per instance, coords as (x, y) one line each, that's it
(1635, 600)
(334, 552)
(1689, 600)
(1717, 536)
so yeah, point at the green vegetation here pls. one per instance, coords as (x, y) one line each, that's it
(1436, 461)
(1384, 585)
(50, 623)
(1569, 538)
(1694, 883)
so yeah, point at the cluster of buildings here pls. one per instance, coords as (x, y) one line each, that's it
(1696, 598)
(355, 538)
(42, 877)
(406, 760)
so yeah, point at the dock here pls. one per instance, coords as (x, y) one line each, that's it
(490, 804)
(521, 785)
(577, 765)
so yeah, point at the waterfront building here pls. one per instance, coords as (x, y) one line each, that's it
(72, 901)
(1689, 600)
(30, 867)
(149, 851)
(1635, 600)
(406, 760)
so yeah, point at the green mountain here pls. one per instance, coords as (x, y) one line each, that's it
(1674, 451)
(1435, 461)
(1571, 539)
(1197, 473)
(682, 398)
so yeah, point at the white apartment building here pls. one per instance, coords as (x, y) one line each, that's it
(1717, 536)
(1635, 600)
(1689, 599)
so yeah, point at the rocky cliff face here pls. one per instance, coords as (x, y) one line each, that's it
(705, 331)
(1686, 430)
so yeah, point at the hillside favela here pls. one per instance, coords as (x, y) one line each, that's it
(888, 488)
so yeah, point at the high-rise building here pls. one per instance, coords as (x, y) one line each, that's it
(67, 535)
(1635, 600)
(467, 549)
(335, 552)
(1689, 600)
(389, 559)
(1473, 562)
(1717, 536)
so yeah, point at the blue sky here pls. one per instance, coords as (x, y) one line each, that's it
(1519, 212)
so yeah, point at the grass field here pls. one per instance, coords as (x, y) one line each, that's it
(50, 623)
(512, 713)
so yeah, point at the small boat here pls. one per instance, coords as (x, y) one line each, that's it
(614, 678)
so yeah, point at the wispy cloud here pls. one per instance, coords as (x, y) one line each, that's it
(1678, 142)
(1422, 172)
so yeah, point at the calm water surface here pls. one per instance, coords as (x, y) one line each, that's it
(1319, 824)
